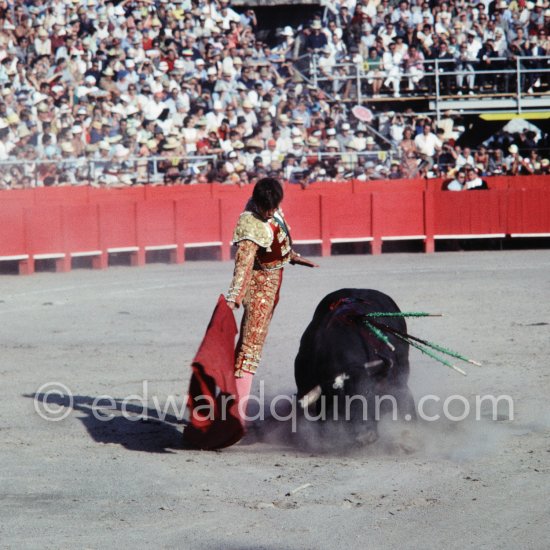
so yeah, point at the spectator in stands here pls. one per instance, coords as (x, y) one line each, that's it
(474, 181)
(458, 183)
(317, 40)
(481, 157)
(375, 74)
(497, 163)
(427, 145)
(104, 72)
(466, 60)
(513, 161)
(486, 57)
(391, 63)
(464, 157)
(446, 64)
(446, 160)
(395, 171)
(5, 145)
(407, 143)
(414, 66)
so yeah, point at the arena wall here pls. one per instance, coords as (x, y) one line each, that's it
(62, 224)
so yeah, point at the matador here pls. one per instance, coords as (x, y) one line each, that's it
(264, 248)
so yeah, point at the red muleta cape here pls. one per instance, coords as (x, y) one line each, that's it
(214, 420)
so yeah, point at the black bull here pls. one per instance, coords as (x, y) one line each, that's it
(339, 356)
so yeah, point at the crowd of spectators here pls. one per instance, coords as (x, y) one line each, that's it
(396, 44)
(183, 91)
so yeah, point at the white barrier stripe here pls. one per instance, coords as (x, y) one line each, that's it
(88, 253)
(403, 237)
(123, 249)
(52, 256)
(467, 236)
(161, 247)
(351, 240)
(14, 258)
(198, 245)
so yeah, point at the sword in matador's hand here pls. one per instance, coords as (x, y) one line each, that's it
(296, 259)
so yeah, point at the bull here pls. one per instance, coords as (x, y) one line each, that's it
(344, 371)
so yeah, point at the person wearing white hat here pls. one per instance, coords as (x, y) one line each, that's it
(226, 86)
(23, 135)
(199, 69)
(513, 161)
(285, 48)
(332, 146)
(250, 119)
(132, 76)
(297, 148)
(283, 123)
(78, 142)
(214, 118)
(345, 135)
(67, 166)
(42, 43)
(347, 157)
(326, 62)
(317, 40)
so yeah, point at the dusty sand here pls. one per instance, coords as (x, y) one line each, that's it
(82, 483)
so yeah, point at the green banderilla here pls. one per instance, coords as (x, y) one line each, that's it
(379, 334)
(402, 314)
(432, 345)
(429, 353)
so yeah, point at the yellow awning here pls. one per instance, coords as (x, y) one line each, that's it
(511, 116)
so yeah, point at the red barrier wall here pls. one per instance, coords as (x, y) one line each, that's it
(349, 219)
(303, 213)
(81, 228)
(398, 213)
(61, 195)
(44, 230)
(197, 220)
(118, 225)
(528, 212)
(386, 186)
(61, 223)
(474, 213)
(12, 233)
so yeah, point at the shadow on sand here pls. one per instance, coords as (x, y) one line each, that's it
(131, 425)
(138, 427)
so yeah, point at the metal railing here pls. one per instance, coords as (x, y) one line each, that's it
(92, 171)
(16, 174)
(516, 78)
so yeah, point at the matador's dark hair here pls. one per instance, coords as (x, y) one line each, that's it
(268, 193)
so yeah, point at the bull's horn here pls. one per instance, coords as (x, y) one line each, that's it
(372, 364)
(310, 397)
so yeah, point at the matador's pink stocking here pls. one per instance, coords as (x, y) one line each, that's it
(244, 385)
